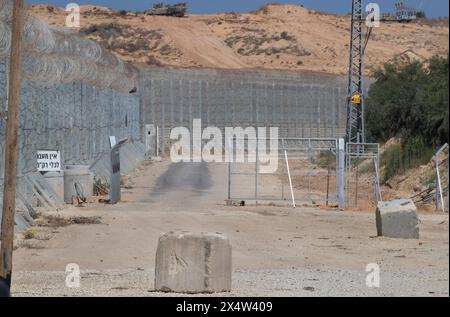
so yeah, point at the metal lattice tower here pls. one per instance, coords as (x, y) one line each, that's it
(355, 106)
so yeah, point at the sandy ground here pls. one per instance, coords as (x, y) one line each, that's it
(284, 37)
(277, 251)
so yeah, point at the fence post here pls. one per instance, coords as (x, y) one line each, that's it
(256, 171)
(378, 194)
(340, 180)
(229, 182)
(439, 191)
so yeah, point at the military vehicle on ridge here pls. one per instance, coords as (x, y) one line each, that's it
(176, 10)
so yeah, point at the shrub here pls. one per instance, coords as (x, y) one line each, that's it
(285, 35)
(401, 157)
(410, 101)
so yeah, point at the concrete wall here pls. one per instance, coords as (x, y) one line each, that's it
(300, 104)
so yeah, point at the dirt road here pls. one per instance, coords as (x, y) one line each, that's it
(277, 251)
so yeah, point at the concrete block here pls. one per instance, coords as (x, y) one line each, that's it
(56, 181)
(193, 263)
(78, 174)
(397, 219)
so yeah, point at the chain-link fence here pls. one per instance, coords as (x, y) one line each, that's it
(308, 105)
(74, 118)
(362, 175)
(74, 95)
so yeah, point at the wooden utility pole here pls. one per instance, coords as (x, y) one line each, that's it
(11, 153)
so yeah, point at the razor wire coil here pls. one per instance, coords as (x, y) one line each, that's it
(55, 55)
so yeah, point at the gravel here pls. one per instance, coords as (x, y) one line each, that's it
(246, 283)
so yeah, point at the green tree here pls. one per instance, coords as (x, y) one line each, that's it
(409, 101)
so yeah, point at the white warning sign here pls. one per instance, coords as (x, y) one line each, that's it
(48, 161)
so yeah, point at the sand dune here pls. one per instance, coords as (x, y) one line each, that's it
(275, 37)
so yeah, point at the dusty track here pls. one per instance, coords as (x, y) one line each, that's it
(277, 251)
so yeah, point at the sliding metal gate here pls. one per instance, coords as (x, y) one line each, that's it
(362, 174)
(310, 172)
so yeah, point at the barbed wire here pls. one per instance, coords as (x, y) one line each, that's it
(56, 55)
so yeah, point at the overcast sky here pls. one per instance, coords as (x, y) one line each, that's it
(433, 8)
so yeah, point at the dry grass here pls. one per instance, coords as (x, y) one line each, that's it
(31, 245)
(250, 42)
(58, 221)
(126, 39)
(86, 220)
(55, 221)
(154, 40)
(29, 234)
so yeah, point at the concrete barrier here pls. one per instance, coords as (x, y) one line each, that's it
(78, 174)
(193, 263)
(56, 182)
(397, 219)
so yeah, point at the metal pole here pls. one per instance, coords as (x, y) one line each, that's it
(356, 185)
(377, 177)
(163, 117)
(157, 141)
(11, 148)
(328, 183)
(439, 193)
(340, 181)
(256, 172)
(290, 179)
(309, 170)
(448, 182)
(282, 173)
(229, 181)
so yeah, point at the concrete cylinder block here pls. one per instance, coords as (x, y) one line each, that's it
(193, 263)
(56, 181)
(397, 219)
(78, 174)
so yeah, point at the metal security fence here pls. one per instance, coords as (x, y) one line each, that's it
(75, 118)
(55, 55)
(309, 172)
(304, 105)
(362, 175)
(75, 94)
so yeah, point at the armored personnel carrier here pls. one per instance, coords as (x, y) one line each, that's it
(176, 10)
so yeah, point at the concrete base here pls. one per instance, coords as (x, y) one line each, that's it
(397, 219)
(193, 263)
